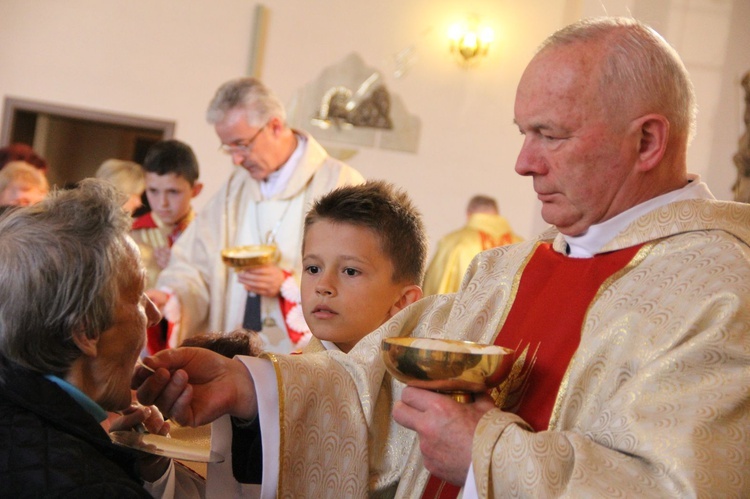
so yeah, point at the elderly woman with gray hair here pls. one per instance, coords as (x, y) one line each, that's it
(73, 316)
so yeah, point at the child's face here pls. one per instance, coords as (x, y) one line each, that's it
(347, 290)
(169, 196)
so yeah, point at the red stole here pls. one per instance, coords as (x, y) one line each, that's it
(544, 328)
(488, 241)
(145, 221)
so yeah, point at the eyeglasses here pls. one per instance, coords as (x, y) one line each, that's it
(241, 148)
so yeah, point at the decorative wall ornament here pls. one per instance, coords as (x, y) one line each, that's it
(470, 40)
(369, 106)
(742, 158)
(350, 104)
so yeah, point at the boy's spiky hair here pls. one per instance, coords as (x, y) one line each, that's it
(389, 213)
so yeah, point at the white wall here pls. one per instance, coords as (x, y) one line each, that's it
(164, 59)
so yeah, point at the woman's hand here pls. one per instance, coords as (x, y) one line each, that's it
(148, 416)
(150, 467)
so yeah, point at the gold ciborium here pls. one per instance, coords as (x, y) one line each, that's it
(254, 255)
(247, 257)
(457, 368)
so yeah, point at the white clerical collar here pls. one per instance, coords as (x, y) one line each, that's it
(589, 243)
(278, 180)
(330, 345)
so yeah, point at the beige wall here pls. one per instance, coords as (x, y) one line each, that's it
(164, 58)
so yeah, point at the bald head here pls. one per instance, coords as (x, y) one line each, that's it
(637, 70)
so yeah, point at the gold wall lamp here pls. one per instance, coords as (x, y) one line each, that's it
(470, 40)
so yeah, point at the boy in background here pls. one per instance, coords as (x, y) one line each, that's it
(363, 258)
(171, 174)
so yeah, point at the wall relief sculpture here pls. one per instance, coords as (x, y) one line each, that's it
(742, 158)
(349, 105)
(369, 106)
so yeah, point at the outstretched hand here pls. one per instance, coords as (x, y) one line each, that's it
(194, 386)
(445, 429)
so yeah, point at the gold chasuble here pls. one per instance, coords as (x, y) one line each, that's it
(544, 328)
(456, 250)
(653, 402)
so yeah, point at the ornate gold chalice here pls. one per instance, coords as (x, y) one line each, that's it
(456, 368)
(254, 255)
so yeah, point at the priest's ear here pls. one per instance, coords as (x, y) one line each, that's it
(652, 134)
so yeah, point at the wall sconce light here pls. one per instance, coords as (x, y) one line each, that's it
(470, 39)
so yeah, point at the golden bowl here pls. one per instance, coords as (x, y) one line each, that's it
(459, 368)
(254, 255)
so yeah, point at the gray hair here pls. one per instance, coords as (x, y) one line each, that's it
(259, 103)
(59, 262)
(640, 67)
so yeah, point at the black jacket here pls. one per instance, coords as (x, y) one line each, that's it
(51, 447)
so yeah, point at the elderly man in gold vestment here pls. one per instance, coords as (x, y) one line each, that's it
(630, 320)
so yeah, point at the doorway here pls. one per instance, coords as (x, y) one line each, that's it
(75, 141)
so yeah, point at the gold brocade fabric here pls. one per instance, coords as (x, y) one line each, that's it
(655, 402)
